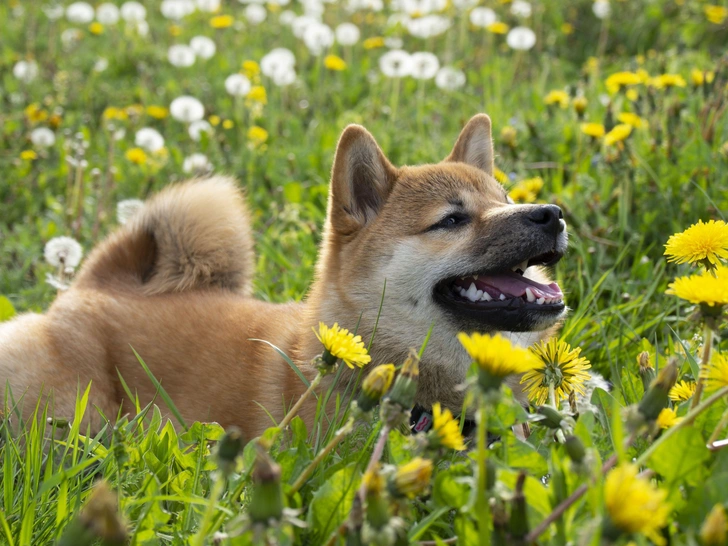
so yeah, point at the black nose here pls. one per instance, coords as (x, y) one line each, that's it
(548, 217)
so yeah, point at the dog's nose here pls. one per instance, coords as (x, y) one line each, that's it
(549, 217)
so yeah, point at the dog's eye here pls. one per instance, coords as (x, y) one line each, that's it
(450, 221)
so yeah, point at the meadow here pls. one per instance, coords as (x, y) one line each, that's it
(617, 111)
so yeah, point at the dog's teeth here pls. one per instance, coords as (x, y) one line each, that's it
(486, 296)
(475, 277)
(478, 295)
(470, 294)
(548, 300)
(462, 291)
(540, 301)
(502, 297)
(529, 295)
(523, 266)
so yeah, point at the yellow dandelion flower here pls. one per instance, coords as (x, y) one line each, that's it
(136, 155)
(668, 418)
(115, 113)
(251, 69)
(374, 42)
(257, 136)
(342, 344)
(704, 288)
(35, 113)
(214, 120)
(643, 75)
(632, 95)
(580, 103)
(715, 374)
(334, 62)
(497, 355)
(508, 135)
(715, 14)
(96, 28)
(228, 124)
(500, 176)
(257, 94)
(157, 112)
(373, 480)
(591, 65)
(567, 28)
(175, 30)
(632, 119)
(222, 21)
(665, 81)
(521, 194)
(28, 155)
(618, 134)
(682, 391)
(634, 505)
(561, 367)
(702, 242)
(619, 80)
(499, 27)
(413, 478)
(594, 130)
(377, 382)
(557, 97)
(700, 77)
(714, 531)
(534, 184)
(445, 429)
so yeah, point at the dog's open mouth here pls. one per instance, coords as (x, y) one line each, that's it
(505, 299)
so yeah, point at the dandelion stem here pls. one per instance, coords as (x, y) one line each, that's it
(482, 506)
(321, 455)
(217, 490)
(297, 406)
(707, 349)
(721, 425)
(376, 456)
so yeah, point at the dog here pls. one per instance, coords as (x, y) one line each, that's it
(174, 284)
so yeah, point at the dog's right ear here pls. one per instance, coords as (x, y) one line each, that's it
(475, 145)
(361, 180)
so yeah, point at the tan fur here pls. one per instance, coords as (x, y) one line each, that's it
(174, 284)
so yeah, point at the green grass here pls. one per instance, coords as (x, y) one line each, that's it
(621, 204)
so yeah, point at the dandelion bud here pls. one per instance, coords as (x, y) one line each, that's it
(714, 531)
(575, 449)
(552, 418)
(376, 528)
(657, 396)
(411, 479)
(508, 136)
(228, 449)
(580, 103)
(267, 501)
(518, 524)
(375, 385)
(646, 371)
(405, 386)
(99, 520)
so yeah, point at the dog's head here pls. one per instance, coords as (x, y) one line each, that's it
(450, 244)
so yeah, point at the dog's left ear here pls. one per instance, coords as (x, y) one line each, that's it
(475, 145)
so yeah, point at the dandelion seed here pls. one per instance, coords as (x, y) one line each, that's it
(127, 209)
(42, 137)
(601, 9)
(561, 369)
(424, 65)
(237, 85)
(339, 343)
(107, 14)
(428, 27)
(276, 61)
(521, 38)
(396, 64)
(255, 14)
(287, 17)
(702, 242)
(149, 139)
(284, 78)
(318, 37)
(196, 164)
(347, 34)
(63, 251)
(80, 13)
(482, 17)
(181, 55)
(300, 24)
(133, 12)
(521, 8)
(176, 9)
(25, 71)
(449, 78)
(187, 109)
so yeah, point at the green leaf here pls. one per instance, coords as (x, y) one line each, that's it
(200, 432)
(7, 311)
(293, 192)
(332, 502)
(400, 451)
(680, 458)
(451, 489)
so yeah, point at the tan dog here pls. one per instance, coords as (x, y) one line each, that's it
(175, 284)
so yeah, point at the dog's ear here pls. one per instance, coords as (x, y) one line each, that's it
(475, 145)
(361, 180)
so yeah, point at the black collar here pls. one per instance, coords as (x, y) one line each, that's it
(421, 421)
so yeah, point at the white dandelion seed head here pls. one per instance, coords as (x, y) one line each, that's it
(283, 78)
(64, 251)
(80, 13)
(393, 42)
(70, 36)
(396, 63)
(465, 4)
(208, 6)
(107, 14)
(149, 139)
(347, 34)
(237, 85)
(196, 164)
(521, 8)
(313, 8)
(601, 9)
(287, 17)
(127, 209)
(54, 12)
(56, 283)
(428, 26)
(101, 64)
(26, 71)
(398, 19)
(300, 24)
(521, 38)
(198, 127)
(318, 38)
(203, 47)
(181, 55)
(42, 137)
(424, 65)
(420, 7)
(140, 27)
(277, 60)
(186, 109)
(605, 99)
(482, 17)
(133, 12)
(176, 10)
(256, 14)
(449, 78)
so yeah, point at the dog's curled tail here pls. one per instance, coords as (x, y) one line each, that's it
(190, 236)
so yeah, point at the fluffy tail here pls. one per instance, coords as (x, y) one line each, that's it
(190, 236)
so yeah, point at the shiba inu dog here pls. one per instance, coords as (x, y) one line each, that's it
(175, 284)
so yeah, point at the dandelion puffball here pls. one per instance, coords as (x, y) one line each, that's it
(25, 71)
(149, 139)
(428, 26)
(80, 13)
(237, 85)
(601, 9)
(521, 38)
(107, 14)
(521, 8)
(63, 251)
(176, 9)
(277, 60)
(255, 14)
(186, 109)
(196, 163)
(483, 17)
(449, 78)
(203, 46)
(126, 209)
(198, 127)
(318, 37)
(181, 55)
(424, 65)
(42, 137)
(282, 78)
(347, 34)
(133, 12)
(209, 6)
(396, 64)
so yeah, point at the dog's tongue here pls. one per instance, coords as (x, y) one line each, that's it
(512, 285)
